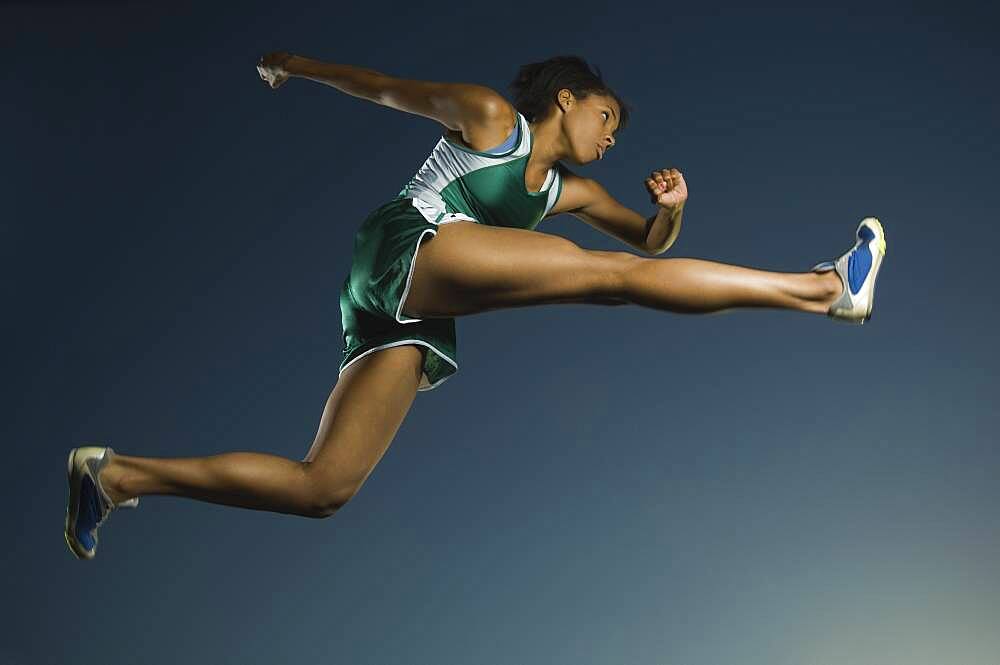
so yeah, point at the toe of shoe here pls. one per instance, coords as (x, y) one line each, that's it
(875, 226)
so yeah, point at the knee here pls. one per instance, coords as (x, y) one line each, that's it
(616, 275)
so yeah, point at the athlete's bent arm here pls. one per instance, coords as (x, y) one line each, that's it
(588, 200)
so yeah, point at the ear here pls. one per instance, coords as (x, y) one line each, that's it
(565, 98)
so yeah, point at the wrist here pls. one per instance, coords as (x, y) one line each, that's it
(664, 227)
(296, 65)
(672, 210)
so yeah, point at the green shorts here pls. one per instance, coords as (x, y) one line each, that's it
(372, 297)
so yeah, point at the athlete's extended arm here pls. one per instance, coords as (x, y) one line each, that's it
(454, 105)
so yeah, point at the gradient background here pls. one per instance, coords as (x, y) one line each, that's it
(595, 485)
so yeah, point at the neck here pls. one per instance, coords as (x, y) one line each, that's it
(547, 146)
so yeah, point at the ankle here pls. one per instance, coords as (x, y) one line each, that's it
(110, 479)
(825, 290)
(830, 287)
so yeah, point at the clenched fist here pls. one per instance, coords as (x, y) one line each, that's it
(272, 68)
(667, 188)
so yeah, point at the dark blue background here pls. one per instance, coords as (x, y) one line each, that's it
(595, 485)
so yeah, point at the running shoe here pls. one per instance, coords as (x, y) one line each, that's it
(89, 505)
(858, 269)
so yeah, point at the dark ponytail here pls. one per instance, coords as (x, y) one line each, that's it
(534, 90)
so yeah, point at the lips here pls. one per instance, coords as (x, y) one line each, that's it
(600, 152)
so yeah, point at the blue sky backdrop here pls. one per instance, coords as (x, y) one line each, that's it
(596, 485)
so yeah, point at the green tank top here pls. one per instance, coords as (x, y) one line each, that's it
(486, 186)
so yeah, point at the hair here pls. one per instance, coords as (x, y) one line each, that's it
(535, 88)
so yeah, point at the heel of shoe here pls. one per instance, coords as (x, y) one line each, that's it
(825, 266)
(109, 454)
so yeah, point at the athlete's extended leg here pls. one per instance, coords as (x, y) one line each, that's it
(468, 268)
(362, 415)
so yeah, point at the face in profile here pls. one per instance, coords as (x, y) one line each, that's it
(589, 125)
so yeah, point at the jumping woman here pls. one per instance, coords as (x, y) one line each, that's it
(459, 239)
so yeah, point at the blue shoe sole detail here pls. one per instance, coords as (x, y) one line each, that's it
(86, 519)
(86, 504)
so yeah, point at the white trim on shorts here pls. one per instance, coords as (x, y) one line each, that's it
(425, 383)
(428, 212)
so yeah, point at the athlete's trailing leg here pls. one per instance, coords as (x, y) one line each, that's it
(362, 415)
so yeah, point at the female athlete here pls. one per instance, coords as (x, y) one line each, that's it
(458, 239)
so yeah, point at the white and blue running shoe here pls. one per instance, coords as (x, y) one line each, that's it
(858, 269)
(89, 505)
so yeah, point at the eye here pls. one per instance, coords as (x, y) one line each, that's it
(607, 114)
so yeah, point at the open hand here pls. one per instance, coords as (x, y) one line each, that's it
(272, 70)
(667, 188)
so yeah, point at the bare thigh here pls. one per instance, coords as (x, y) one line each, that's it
(469, 267)
(361, 417)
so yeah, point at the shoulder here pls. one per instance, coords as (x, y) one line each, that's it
(492, 122)
(577, 192)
